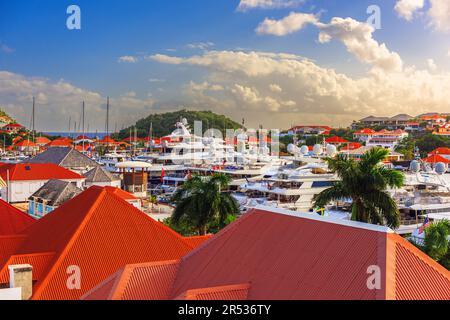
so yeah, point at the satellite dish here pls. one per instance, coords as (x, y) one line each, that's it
(440, 168)
(414, 166)
(292, 148)
(304, 150)
(317, 150)
(331, 150)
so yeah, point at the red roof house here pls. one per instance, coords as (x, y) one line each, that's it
(435, 159)
(26, 178)
(336, 140)
(12, 127)
(42, 141)
(352, 146)
(98, 232)
(60, 142)
(442, 150)
(276, 254)
(12, 220)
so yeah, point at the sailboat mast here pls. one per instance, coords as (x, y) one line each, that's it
(83, 128)
(107, 122)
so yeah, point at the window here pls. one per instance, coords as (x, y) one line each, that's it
(322, 184)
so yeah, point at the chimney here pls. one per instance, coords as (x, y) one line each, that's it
(21, 276)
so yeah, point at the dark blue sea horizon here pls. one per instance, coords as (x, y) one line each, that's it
(92, 135)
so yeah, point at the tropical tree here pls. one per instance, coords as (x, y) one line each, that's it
(201, 202)
(435, 242)
(365, 182)
(153, 200)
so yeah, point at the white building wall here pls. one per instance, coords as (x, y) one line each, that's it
(20, 191)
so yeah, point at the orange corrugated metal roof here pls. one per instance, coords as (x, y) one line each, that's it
(145, 281)
(12, 220)
(39, 261)
(121, 193)
(9, 245)
(417, 277)
(197, 240)
(36, 171)
(231, 292)
(287, 255)
(99, 232)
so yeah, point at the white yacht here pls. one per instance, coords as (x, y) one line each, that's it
(289, 188)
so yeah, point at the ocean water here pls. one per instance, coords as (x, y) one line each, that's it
(99, 135)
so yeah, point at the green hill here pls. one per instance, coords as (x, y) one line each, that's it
(164, 123)
(4, 117)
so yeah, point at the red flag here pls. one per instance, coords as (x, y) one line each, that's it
(163, 173)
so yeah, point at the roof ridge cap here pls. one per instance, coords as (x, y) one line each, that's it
(342, 222)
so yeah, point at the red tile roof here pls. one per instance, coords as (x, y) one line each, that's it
(288, 255)
(61, 142)
(25, 143)
(12, 220)
(352, 146)
(42, 140)
(441, 150)
(435, 159)
(365, 131)
(36, 171)
(99, 232)
(335, 139)
(13, 125)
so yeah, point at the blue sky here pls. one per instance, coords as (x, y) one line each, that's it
(40, 53)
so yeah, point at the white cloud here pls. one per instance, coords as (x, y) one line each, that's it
(432, 65)
(5, 48)
(57, 101)
(355, 35)
(407, 8)
(275, 88)
(290, 24)
(358, 39)
(310, 91)
(201, 45)
(246, 5)
(155, 80)
(128, 59)
(439, 13)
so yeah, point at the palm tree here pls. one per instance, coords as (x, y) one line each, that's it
(365, 182)
(200, 202)
(435, 242)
